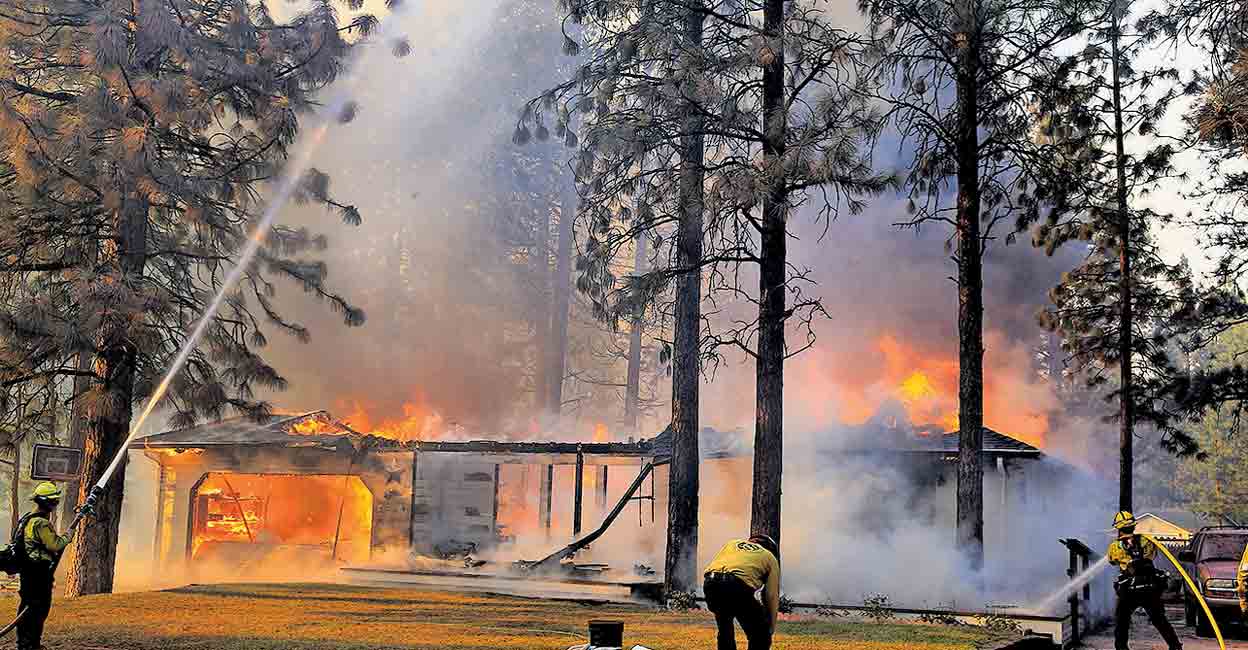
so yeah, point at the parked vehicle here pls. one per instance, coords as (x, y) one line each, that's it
(1212, 559)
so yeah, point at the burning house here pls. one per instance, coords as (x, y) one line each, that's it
(309, 489)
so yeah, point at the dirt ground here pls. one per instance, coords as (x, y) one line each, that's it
(346, 617)
(1144, 637)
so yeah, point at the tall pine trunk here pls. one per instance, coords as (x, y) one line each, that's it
(93, 555)
(632, 390)
(77, 432)
(1126, 398)
(970, 501)
(562, 287)
(680, 566)
(543, 318)
(769, 365)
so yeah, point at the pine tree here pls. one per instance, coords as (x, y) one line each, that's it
(1216, 31)
(1118, 310)
(958, 76)
(135, 142)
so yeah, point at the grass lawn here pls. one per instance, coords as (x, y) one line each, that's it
(342, 617)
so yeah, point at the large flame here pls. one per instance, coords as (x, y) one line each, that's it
(418, 422)
(925, 384)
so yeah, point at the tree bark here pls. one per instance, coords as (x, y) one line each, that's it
(970, 500)
(769, 365)
(632, 391)
(562, 286)
(92, 556)
(1126, 398)
(77, 434)
(77, 414)
(543, 318)
(680, 566)
(15, 499)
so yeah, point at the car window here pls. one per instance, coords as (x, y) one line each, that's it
(1222, 547)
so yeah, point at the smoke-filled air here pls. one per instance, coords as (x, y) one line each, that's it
(924, 316)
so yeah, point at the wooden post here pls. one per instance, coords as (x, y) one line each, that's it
(494, 517)
(544, 496)
(579, 491)
(601, 496)
(161, 497)
(1074, 599)
(411, 512)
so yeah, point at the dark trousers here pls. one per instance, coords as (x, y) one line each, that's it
(1127, 604)
(36, 598)
(729, 599)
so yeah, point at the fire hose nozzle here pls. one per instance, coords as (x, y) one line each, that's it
(87, 509)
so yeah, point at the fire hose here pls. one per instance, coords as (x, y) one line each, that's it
(1191, 585)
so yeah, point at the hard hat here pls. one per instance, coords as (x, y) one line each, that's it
(767, 543)
(47, 491)
(1124, 519)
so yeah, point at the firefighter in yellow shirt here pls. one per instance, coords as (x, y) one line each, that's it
(1242, 582)
(1139, 585)
(739, 570)
(43, 550)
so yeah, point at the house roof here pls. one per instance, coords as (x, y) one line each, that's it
(1160, 527)
(995, 442)
(276, 430)
(320, 429)
(722, 444)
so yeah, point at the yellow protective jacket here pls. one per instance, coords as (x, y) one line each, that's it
(755, 566)
(42, 542)
(1242, 576)
(1120, 557)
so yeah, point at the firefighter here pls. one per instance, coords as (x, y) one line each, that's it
(1139, 585)
(43, 551)
(1242, 582)
(740, 569)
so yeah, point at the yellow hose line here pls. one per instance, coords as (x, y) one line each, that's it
(1192, 586)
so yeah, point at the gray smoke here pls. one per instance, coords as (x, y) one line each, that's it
(420, 163)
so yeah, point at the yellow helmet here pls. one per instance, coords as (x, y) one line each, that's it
(46, 491)
(1124, 519)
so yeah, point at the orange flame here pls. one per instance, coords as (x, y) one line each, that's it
(852, 388)
(419, 422)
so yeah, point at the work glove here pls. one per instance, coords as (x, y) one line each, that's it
(87, 509)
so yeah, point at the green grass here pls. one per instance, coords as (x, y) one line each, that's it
(346, 617)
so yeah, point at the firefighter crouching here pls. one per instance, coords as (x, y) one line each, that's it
(739, 570)
(1140, 585)
(43, 551)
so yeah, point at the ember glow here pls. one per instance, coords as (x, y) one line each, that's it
(322, 517)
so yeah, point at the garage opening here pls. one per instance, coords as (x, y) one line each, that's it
(262, 525)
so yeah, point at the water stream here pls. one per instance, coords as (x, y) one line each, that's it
(1049, 605)
(294, 173)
